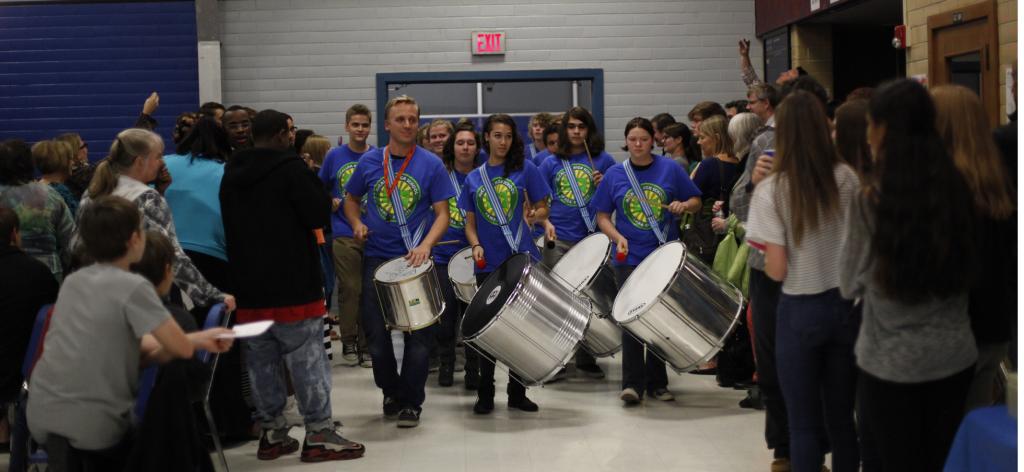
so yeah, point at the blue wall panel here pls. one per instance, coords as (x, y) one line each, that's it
(87, 68)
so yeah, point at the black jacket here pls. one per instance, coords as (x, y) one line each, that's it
(25, 286)
(271, 203)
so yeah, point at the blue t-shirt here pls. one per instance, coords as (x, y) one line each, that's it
(194, 199)
(531, 153)
(424, 182)
(565, 214)
(338, 166)
(539, 159)
(664, 181)
(510, 191)
(456, 225)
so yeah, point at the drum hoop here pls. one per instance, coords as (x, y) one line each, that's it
(671, 282)
(516, 292)
(593, 276)
(376, 280)
(450, 265)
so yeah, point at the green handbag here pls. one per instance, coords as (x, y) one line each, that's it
(731, 257)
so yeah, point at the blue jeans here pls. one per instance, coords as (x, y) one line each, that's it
(301, 346)
(407, 388)
(643, 374)
(814, 338)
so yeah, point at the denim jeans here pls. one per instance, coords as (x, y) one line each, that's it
(639, 372)
(818, 375)
(764, 304)
(408, 388)
(301, 346)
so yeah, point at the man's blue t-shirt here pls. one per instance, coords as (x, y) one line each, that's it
(338, 166)
(511, 191)
(539, 159)
(456, 225)
(565, 214)
(530, 153)
(424, 182)
(662, 182)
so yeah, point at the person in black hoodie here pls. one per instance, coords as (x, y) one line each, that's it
(272, 205)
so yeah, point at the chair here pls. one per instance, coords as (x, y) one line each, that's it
(217, 316)
(24, 451)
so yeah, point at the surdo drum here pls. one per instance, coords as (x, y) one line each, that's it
(678, 307)
(410, 297)
(585, 269)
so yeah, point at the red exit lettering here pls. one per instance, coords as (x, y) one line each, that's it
(488, 42)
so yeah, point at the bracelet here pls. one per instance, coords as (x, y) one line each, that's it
(475, 246)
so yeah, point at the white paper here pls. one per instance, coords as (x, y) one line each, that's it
(248, 330)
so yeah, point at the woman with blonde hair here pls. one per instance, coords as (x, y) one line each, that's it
(53, 159)
(963, 126)
(314, 151)
(714, 176)
(136, 157)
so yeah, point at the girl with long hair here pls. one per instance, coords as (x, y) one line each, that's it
(512, 181)
(669, 193)
(963, 126)
(907, 256)
(797, 217)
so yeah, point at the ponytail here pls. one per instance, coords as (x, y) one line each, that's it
(129, 145)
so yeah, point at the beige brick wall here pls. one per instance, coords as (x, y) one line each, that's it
(916, 13)
(811, 48)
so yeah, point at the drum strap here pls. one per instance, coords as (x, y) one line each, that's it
(492, 197)
(642, 198)
(458, 192)
(410, 240)
(577, 194)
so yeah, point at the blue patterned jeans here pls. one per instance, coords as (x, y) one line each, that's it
(301, 346)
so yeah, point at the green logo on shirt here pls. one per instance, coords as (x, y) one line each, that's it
(409, 194)
(584, 179)
(455, 217)
(655, 197)
(508, 197)
(344, 173)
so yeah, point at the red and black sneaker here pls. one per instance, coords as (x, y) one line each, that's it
(328, 445)
(275, 443)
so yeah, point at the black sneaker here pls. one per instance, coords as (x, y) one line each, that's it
(391, 408)
(593, 371)
(275, 443)
(523, 404)
(446, 376)
(328, 445)
(484, 406)
(409, 417)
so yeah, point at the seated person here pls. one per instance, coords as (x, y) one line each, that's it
(106, 324)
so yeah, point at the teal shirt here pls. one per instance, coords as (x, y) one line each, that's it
(194, 198)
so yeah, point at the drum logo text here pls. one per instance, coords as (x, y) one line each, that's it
(635, 309)
(414, 302)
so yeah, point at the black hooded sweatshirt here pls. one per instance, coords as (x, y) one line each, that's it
(271, 204)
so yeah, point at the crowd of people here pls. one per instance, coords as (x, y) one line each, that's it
(857, 228)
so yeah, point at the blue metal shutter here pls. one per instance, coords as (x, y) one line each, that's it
(87, 68)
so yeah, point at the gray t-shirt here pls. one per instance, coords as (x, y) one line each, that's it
(813, 265)
(84, 385)
(900, 342)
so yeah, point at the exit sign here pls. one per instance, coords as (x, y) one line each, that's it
(487, 42)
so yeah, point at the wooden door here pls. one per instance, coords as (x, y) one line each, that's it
(963, 48)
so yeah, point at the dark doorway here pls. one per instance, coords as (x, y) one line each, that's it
(863, 56)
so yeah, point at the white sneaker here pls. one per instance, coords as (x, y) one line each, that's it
(291, 412)
(629, 396)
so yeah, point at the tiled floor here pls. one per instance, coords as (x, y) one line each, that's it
(581, 426)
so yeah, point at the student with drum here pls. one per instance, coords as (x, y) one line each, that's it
(505, 183)
(667, 193)
(459, 156)
(403, 183)
(573, 175)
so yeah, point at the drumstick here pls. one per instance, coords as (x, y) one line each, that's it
(547, 244)
(593, 168)
(446, 243)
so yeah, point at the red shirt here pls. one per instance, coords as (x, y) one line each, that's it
(282, 314)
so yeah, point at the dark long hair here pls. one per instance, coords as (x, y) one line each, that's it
(206, 140)
(448, 154)
(806, 159)
(595, 142)
(851, 135)
(923, 208)
(514, 159)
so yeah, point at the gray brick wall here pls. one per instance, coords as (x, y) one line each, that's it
(315, 58)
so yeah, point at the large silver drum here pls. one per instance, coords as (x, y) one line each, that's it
(410, 297)
(585, 269)
(526, 319)
(678, 307)
(460, 273)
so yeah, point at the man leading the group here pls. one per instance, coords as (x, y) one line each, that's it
(402, 183)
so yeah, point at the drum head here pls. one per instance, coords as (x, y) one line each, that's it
(650, 279)
(494, 294)
(583, 261)
(397, 270)
(460, 267)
